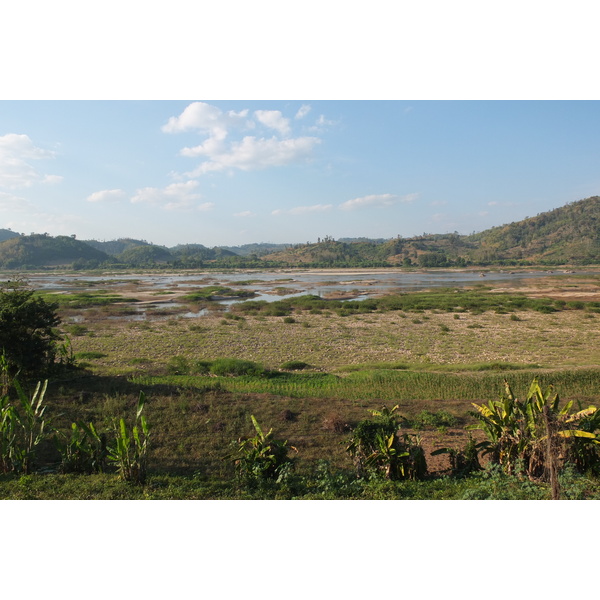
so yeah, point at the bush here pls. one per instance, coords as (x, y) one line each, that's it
(261, 457)
(376, 448)
(235, 367)
(76, 329)
(425, 419)
(178, 365)
(294, 365)
(28, 338)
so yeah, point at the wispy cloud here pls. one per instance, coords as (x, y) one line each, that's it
(380, 200)
(10, 202)
(302, 111)
(244, 214)
(177, 196)
(253, 154)
(303, 210)
(107, 196)
(16, 153)
(321, 124)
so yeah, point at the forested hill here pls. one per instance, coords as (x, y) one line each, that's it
(569, 235)
(37, 250)
(566, 235)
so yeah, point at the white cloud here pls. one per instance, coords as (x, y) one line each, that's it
(210, 147)
(252, 154)
(15, 171)
(106, 196)
(245, 213)
(177, 196)
(377, 200)
(246, 154)
(302, 111)
(204, 117)
(303, 210)
(274, 120)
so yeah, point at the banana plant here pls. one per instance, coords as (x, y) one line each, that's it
(376, 447)
(22, 428)
(262, 457)
(518, 431)
(84, 451)
(130, 452)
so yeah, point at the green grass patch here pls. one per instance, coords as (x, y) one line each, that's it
(84, 299)
(89, 355)
(213, 292)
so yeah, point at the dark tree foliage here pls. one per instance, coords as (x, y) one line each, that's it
(28, 340)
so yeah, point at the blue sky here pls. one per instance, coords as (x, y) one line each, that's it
(236, 172)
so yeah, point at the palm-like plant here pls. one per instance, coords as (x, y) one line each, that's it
(262, 457)
(529, 433)
(375, 446)
(130, 452)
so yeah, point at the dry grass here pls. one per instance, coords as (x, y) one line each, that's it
(565, 339)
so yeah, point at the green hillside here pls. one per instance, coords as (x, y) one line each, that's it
(566, 235)
(569, 235)
(116, 247)
(39, 250)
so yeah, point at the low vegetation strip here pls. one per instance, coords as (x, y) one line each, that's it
(385, 384)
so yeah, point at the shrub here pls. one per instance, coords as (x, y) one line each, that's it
(441, 418)
(235, 367)
(289, 320)
(294, 365)
(178, 365)
(76, 329)
(376, 448)
(28, 338)
(261, 457)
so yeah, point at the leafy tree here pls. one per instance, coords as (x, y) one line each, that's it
(28, 340)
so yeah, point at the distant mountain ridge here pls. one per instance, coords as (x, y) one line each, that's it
(566, 235)
(7, 234)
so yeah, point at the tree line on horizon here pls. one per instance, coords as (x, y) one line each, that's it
(567, 235)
